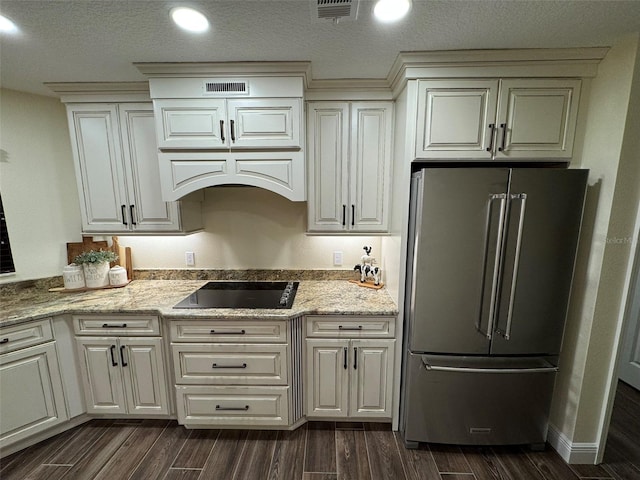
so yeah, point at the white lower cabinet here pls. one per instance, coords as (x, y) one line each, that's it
(123, 375)
(237, 372)
(31, 390)
(349, 378)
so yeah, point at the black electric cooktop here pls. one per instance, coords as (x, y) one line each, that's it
(242, 295)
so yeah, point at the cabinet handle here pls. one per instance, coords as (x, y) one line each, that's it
(123, 209)
(344, 215)
(222, 130)
(245, 408)
(503, 126)
(215, 365)
(353, 215)
(346, 352)
(113, 358)
(355, 358)
(233, 131)
(492, 127)
(340, 327)
(238, 332)
(106, 325)
(132, 210)
(124, 364)
(4, 340)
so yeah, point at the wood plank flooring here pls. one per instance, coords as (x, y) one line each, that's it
(160, 449)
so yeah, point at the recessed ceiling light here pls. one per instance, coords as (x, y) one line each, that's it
(190, 19)
(391, 10)
(7, 26)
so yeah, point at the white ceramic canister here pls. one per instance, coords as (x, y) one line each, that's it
(96, 275)
(118, 276)
(73, 276)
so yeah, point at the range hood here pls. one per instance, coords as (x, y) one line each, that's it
(229, 124)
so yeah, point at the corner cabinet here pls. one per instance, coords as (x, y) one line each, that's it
(122, 373)
(351, 374)
(497, 119)
(32, 394)
(349, 161)
(117, 171)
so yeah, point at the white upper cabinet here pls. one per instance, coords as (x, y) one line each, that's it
(349, 158)
(509, 119)
(211, 123)
(117, 171)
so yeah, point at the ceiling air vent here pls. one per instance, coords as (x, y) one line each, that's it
(226, 88)
(336, 10)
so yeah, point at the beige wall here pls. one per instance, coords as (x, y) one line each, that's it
(37, 183)
(601, 266)
(248, 227)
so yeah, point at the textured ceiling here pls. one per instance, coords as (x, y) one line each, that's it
(96, 40)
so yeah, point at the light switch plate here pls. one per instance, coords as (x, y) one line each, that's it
(337, 258)
(189, 259)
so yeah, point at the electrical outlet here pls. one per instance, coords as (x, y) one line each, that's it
(189, 259)
(337, 258)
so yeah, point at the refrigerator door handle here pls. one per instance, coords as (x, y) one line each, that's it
(437, 368)
(496, 263)
(514, 279)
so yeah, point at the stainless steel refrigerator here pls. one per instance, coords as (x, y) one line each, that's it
(490, 264)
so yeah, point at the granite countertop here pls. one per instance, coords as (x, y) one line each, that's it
(159, 296)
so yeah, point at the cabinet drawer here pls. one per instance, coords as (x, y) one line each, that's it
(212, 405)
(350, 326)
(142, 325)
(230, 364)
(25, 335)
(229, 331)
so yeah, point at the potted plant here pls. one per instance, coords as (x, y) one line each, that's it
(96, 266)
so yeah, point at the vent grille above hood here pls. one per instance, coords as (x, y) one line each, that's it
(336, 10)
(226, 88)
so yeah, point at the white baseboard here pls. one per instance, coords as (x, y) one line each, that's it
(575, 453)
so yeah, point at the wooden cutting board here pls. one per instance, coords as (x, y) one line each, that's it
(124, 257)
(76, 248)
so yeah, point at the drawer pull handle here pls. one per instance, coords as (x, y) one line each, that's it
(215, 365)
(244, 409)
(106, 325)
(237, 332)
(4, 340)
(359, 327)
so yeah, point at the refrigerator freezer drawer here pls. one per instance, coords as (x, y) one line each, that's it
(476, 406)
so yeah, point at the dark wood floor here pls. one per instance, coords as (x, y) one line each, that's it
(160, 449)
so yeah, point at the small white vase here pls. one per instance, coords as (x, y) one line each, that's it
(96, 275)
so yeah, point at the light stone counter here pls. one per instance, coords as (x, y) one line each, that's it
(337, 297)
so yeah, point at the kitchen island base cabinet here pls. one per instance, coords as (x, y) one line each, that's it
(32, 395)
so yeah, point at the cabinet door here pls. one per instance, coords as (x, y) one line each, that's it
(328, 150)
(537, 118)
(191, 123)
(95, 142)
(147, 210)
(101, 375)
(371, 382)
(144, 375)
(370, 166)
(456, 119)
(327, 377)
(32, 396)
(264, 123)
